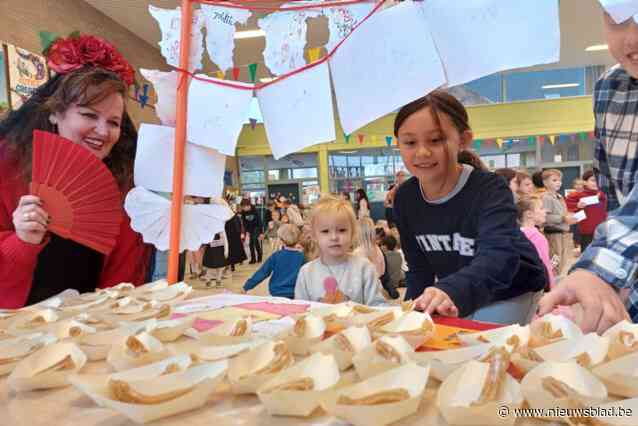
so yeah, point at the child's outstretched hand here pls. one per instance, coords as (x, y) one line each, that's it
(435, 300)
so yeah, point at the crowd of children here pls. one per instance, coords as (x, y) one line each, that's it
(466, 242)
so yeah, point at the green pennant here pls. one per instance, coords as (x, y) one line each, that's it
(582, 136)
(253, 72)
(346, 137)
(531, 140)
(46, 40)
(477, 145)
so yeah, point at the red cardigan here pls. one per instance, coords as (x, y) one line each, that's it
(596, 214)
(126, 263)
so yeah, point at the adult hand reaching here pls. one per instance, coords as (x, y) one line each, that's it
(602, 306)
(436, 300)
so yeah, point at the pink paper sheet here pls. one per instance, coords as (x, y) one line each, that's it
(282, 309)
(201, 324)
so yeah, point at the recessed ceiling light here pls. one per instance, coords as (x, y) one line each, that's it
(250, 34)
(347, 152)
(596, 48)
(560, 86)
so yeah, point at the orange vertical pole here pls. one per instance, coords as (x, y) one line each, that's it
(180, 142)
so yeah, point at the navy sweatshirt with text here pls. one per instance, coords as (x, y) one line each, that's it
(468, 245)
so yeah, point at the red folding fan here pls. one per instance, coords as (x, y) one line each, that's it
(78, 192)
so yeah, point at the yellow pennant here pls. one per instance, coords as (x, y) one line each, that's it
(499, 142)
(314, 54)
(552, 139)
(220, 74)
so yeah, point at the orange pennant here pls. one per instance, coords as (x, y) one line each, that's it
(361, 137)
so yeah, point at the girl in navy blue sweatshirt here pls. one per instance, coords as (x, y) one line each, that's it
(466, 254)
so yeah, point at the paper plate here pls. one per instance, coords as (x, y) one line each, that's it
(620, 375)
(562, 385)
(47, 368)
(249, 370)
(307, 331)
(382, 399)
(475, 393)
(300, 389)
(144, 399)
(345, 345)
(386, 353)
(135, 351)
(16, 349)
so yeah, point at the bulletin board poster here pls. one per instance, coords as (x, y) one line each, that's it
(27, 71)
(4, 91)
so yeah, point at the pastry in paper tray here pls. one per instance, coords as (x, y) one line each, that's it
(32, 321)
(249, 370)
(474, 393)
(335, 316)
(209, 353)
(373, 318)
(307, 331)
(171, 294)
(515, 336)
(134, 310)
(300, 389)
(169, 330)
(71, 329)
(623, 339)
(444, 363)
(135, 351)
(97, 345)
(380, 400)
(588, 351)
(155, 391)
(345, 345)
(627, 406)
(562, 385)
(620, 375)
(151, 287)
(416, 327)
(384, 354)
(551, 328)
(47, 368)
(16, 349)
(84, 302)
(230, 332)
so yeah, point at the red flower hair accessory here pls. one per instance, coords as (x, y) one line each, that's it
(79, 50)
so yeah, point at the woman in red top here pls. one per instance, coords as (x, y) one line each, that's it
(596, 213)
(85, 103)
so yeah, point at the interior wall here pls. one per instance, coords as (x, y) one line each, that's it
(22, 20)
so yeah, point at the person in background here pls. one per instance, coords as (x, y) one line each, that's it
(466, 254)
(577, 186)
(253, 229)
(510, 177)
(531, 216)
(234, 233)
(283, 265)
(557, 222)
(539, 186)
(389, 196)
(294, 214)
(215, 258)
(394, 262)
(367, 246)
(596, 212)
(525, 185)
(85, 102)
(362, 204)
(337, 275)
(271, 231)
